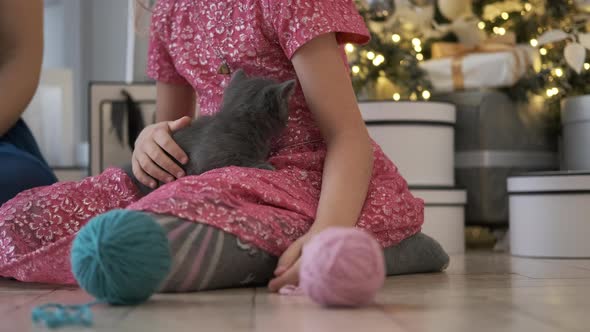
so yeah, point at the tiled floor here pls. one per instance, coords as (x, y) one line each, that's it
(479, 292)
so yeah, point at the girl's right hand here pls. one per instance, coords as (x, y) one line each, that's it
(150, 162)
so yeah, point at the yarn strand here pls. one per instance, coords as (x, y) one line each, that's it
(55, 315)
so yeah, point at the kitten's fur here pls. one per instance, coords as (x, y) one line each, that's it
(253, 112)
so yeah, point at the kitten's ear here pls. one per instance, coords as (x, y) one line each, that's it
(238, 75)
(286, 88)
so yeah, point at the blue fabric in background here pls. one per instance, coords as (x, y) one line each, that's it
(21, 164)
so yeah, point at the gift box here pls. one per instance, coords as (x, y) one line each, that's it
(549, 214)
(493, 64)
(495, 138)
(417, 136)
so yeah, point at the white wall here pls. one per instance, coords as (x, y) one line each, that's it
(108, 38)
(88, 37)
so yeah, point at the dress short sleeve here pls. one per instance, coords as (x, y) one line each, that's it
(297, 22)
(160, 65)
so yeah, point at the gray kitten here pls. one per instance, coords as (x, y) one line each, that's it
(253, 112)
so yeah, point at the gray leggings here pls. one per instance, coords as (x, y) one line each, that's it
(206, 258)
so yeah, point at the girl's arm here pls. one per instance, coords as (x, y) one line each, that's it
(175, 105)
(21, 54)
(349, 160)
(174, 101)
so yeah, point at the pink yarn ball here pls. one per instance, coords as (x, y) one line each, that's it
(342, 267)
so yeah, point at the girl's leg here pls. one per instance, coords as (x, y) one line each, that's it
(417, 254)
(206, 258)
(38, 225)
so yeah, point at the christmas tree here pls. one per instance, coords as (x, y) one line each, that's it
(403, 32)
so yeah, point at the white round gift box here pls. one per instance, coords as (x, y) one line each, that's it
(444, 216)
(550, 214)
(575, 119)
(417, 136)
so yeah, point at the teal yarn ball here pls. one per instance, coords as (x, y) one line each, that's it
(121, 257)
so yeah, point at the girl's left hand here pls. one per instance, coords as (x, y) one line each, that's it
(287, 271)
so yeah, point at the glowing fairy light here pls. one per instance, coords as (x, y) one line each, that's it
(543, 51)
(419, 57)
(356, 69)
(416, 42)
(396, 38)
(349, 48)
(505, 15)
(558, 72)
(481, 25)
(396, 96)
(379, 59)
(370, 55)
(426, 94)
(534, 42)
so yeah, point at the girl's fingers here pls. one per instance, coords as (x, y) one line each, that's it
(179, 123)
(140, 175)
(288, 258)
(152, 169)
(160, 158)
(167, 143)
(290, 277)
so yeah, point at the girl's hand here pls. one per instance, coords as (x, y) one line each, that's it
(287, 271)
(150, 162)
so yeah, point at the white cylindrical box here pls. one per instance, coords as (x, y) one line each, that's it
(575, 119)
(417, 136)
(549, 214)
(444, 216)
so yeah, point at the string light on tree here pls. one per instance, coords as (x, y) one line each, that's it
(356, 70)
(370, 55)
(552, 92)
(587, 66)
(481, 25)
(396, 38)
(419, 57)
(499, 31)
(528, 7)
(396, 96)
(416, 42)
(505, 16)
(379, 59)
(534, 42)
(558, 72)
(543, 51)
(349, 48)
(426, 94)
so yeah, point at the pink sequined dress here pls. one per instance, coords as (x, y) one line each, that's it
(190, 40)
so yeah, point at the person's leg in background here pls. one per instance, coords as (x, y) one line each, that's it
(21, 164)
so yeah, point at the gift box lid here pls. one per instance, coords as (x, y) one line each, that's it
(558, 182)
(575, 109)
(392, 112)
(440, 196)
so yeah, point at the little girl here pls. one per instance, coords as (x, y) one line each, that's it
(227, 227)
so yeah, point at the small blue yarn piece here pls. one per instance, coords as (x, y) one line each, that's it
(120, 257)
(55, 315)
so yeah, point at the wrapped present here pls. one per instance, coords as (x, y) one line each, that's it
(497, 62)
(495, 138)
